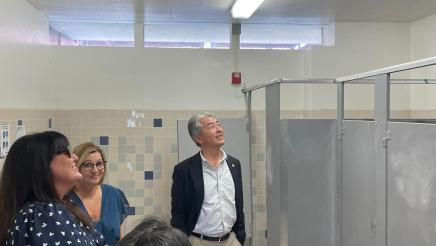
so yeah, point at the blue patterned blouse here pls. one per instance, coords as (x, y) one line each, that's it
(114, 209)
(46, 224)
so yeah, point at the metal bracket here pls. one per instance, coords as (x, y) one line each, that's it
(385, 139)
(341, 135)
(373, 226)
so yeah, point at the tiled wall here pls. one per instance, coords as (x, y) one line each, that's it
(33, 120)
(141, 159)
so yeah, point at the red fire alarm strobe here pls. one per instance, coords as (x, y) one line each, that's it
(236, 78)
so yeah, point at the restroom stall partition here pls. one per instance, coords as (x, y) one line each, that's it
(349, 182)
(300, 172)
(388, 177)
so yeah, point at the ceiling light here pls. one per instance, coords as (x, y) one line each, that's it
(243, 9)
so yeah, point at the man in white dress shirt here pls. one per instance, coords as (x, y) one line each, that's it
(206, 195)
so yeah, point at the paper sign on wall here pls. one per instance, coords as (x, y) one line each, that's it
(21, 130)
(5, 139)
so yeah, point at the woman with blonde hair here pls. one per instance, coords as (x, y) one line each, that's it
(106, 205)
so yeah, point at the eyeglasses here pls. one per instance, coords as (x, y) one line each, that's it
(89, 165)
(65, 151)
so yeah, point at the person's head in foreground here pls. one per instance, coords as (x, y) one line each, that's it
(152, 231)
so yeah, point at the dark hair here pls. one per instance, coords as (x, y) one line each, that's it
(26, 176)
(152, 231)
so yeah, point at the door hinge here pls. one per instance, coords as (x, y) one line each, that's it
(385, 139)
(373, 226)
(341, 134)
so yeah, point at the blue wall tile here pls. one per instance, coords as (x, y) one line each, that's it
(148, 175)
(131, 210)
(157, 122)
(104, 140)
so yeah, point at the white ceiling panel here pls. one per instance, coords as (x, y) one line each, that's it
(271, 11)
(223, 5)
(384, 10)
(313, 12)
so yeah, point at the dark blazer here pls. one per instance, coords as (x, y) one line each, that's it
(187, 195)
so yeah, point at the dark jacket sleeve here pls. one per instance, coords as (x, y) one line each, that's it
(178, 219)
(239, 226)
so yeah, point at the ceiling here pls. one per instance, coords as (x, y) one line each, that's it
(271, 11)
(306, 12)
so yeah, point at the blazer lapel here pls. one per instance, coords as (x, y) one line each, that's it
(197, 178)
(231, 166)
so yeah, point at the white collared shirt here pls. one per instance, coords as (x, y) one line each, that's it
(218, 212)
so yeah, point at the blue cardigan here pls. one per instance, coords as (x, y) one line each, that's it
(114, 209)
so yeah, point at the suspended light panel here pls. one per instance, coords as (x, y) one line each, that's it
(243, 9)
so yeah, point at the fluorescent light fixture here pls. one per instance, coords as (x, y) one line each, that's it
(243, 9)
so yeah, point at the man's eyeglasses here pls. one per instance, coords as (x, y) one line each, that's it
(89, 165)
(65, 151)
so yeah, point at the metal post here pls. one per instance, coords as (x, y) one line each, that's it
(382, 96)
(139, 35)
(236, 36)
(273, 163)
(249, 124)
(339, 161)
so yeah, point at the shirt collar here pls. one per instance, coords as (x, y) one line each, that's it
(223, 157)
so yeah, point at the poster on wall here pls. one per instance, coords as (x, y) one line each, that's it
(5, 139)
(21, 130)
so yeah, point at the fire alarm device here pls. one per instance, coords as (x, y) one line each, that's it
(236, 78)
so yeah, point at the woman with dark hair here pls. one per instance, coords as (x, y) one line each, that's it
(34, 210)
(106, 205)
(153, 231)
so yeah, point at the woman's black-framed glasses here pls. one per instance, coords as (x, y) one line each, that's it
(89, 165)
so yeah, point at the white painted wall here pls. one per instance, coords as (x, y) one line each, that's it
(129, 78)
(423, 46)
(360, 47)
(25, 59)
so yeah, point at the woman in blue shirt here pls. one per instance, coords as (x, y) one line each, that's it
(34, 210)
(106, 205)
